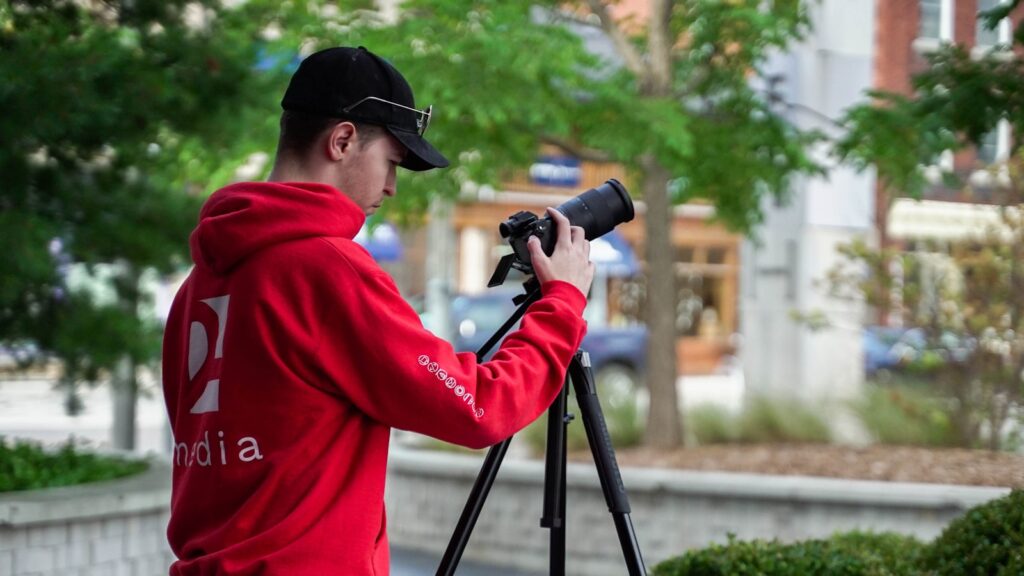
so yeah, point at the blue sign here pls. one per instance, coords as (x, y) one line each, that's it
(556, 171)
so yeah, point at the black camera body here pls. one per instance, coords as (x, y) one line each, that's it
(521, 226)
(597, 211)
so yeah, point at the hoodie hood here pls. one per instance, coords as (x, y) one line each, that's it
(247, 217)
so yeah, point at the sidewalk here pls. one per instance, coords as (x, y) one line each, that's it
(34, 409)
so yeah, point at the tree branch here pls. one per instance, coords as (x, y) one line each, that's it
(577, 151)
(659, 46)
(634, 60)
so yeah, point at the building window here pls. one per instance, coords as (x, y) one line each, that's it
(936, 22)
(995, 146)
(985, 37)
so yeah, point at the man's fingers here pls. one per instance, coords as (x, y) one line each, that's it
(562, 225)
(536, 251)
(577, 234)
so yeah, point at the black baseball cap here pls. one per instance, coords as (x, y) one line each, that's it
(356, 84)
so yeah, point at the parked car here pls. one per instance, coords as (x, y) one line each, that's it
(889, 349)
(617, 355)
(879, 356)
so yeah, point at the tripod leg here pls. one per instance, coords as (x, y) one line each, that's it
(554, 481)
(604, 458)
(489, 471)
(471, 512)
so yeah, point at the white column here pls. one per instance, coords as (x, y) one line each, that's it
(474, 250)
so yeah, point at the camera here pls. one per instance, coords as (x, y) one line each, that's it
(597, 211)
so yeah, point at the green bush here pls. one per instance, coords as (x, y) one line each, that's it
(710, 424)
(988, 540)
(763, 419)
(905, 415)
(26, 465)
(779, 420)
(848, 554)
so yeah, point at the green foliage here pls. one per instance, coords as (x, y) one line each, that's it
(847, 554)
(965, 296)
(684, 120)
(956, 100)
(905, 415)
(989, 539)
(711, 424)
(506, 76)
(781, 420)
(965, 302)
(121, 116)
(763, 419)
(26, 465)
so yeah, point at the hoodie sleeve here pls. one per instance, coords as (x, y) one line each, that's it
(374, 349)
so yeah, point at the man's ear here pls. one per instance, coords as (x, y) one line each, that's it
(340, 140)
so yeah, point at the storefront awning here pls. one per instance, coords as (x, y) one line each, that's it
(949, 221)
(613, 256)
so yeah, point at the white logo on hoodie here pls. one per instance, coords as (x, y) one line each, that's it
(199, 351)
(450, 383)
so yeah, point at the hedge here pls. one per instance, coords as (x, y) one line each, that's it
(988, 539)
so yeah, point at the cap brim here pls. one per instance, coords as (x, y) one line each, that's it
(422, 155)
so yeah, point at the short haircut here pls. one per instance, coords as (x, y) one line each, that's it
(300, 131)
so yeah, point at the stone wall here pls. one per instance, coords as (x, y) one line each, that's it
(118, 528)
(672, 511)
(112, 528)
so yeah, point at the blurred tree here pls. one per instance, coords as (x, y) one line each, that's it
(671, 100)
(966, 304)
(119, 117)
(969, 300)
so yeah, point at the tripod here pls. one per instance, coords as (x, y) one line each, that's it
(582, 379)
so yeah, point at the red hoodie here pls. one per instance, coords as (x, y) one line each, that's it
(288, 357)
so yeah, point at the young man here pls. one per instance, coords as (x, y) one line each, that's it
(289, 354)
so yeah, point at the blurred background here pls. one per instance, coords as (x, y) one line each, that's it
(822, 279)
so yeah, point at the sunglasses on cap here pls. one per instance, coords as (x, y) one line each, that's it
(422, 118)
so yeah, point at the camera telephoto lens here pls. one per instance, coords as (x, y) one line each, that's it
(600, 209)
(597, 211)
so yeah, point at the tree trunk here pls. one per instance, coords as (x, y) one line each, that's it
(124, 393)
(664, 422)
(124, 386)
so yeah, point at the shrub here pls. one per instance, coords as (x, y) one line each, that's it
(26, 465)
(848, 554)
(777, 420)
(710, 424)
(905, 415)
(989, 540)
(763, 419)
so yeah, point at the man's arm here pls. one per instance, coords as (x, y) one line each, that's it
(377, 353)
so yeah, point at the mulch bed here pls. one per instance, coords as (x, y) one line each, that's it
(888, 463)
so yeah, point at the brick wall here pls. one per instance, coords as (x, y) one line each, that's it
(110, 528)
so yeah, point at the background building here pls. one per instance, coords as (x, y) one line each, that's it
(792, 251)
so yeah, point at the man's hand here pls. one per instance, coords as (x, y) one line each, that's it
(569, 261)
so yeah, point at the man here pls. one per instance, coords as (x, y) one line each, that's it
(289, 354)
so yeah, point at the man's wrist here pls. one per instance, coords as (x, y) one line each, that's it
(565, 291)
